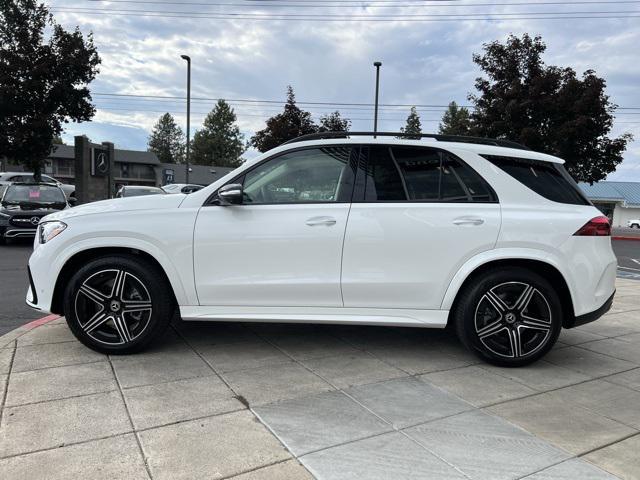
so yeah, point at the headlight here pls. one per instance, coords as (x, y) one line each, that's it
(49, 230)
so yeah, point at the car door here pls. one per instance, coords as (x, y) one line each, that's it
(418, 214)
(282, 246)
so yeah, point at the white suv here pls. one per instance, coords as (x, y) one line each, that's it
(495, 241)
(633, 223)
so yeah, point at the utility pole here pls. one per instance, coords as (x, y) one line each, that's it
(188, 59)
(375, 114)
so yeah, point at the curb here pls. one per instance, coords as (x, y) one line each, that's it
(617, 237)
(14, 334)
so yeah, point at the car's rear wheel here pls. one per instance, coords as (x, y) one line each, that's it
(118, 304)
(509, 317)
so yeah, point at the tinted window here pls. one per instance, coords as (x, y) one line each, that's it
(547, 179)
(382, 178)
(460, 183)
(421, 170)
(312, 175)
(422, 175)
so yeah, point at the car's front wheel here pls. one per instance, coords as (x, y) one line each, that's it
(510, 317)
(118, 304)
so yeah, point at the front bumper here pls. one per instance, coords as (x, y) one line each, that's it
(591, 316)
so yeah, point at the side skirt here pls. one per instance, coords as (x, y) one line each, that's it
(342, 316)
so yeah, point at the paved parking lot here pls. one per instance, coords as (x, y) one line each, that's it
(270, 401)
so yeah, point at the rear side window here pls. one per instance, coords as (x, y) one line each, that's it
(419, 174)
(549, 180)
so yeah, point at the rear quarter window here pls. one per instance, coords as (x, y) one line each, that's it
(549, 180)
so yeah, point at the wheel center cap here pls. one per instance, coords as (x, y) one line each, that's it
(510, 318)
(114, 305)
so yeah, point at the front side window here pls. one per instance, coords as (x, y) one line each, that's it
(548, 179)
(315, 175)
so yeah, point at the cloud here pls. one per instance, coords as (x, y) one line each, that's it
(423, 62)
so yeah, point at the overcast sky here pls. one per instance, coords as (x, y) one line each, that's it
(254, 57)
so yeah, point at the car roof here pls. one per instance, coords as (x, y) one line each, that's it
(481, 149)
(47, 184)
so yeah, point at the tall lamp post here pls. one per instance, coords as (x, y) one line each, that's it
(188, 59)
(375, 113)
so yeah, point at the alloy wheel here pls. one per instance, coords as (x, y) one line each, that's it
(113, 307)
(513, 320)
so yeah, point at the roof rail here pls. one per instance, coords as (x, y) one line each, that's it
(441, 138)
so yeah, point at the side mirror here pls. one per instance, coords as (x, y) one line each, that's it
(72, 201)
(230, 194)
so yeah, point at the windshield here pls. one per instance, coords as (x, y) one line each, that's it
(33, 194)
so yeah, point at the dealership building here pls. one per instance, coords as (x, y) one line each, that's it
(620, 201)
(130, 167)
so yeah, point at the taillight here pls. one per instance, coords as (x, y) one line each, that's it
(596, 227)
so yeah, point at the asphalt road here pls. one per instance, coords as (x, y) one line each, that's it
(13, 286)
(14, 281)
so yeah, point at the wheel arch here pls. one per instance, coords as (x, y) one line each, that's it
(79, 258)
(545, 269)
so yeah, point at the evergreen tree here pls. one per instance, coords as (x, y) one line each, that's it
(413, 127)
(334, 123)
(44, 73)
(455, 121)
(547, 108)
(167, 140)
(289, 124)
(219, 142)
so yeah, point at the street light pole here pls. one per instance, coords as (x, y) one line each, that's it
(188, 59)
(375, 113)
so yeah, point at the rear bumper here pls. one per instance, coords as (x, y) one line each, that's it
(591, 316)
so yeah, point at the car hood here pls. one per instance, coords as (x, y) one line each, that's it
(148, 202)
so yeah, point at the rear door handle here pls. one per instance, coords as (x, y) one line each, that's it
(313, 221)
(468, 221)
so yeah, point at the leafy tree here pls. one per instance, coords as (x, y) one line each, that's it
(455, 121)
(291, 123)
(219, 142)
(167, 140)
(546, 108)
(44, 73)
(57, 140)
(334, 123)
(413, 127)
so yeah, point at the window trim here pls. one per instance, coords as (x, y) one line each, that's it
(359, 193)
(212, 200)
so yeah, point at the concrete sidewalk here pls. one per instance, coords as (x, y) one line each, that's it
(264, 401)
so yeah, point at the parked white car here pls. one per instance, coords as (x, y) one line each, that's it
(634, 223)
(182, 188)
(7, 178)
(496, 241)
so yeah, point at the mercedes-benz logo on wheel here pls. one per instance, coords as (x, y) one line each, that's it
(35, 220)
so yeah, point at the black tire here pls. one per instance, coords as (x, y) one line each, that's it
(121, 322)
(494, 319)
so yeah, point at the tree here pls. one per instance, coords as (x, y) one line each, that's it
(334, 123)
(219, 142)
(167, 140)
(43, 81)
(455, 121)
(413, 127)
(57, 140)
(546, 108)
(284, 126)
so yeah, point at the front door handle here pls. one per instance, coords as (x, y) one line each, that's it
(468, 221)
(313, 221)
